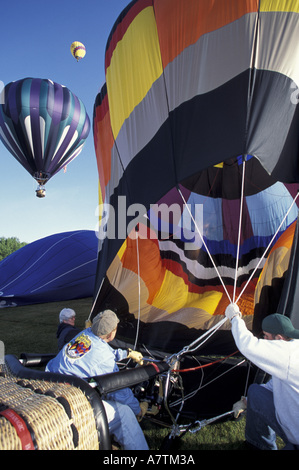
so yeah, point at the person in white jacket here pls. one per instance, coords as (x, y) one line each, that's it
(272, 408)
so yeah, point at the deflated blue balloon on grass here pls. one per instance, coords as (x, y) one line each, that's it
(56, 268)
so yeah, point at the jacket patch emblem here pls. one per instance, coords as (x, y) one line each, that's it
(78, 347)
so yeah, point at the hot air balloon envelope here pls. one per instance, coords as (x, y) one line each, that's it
(199, 110)
(78, 50)
(196, 111)
(43, 125)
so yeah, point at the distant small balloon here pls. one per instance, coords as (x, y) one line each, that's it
(78, 50)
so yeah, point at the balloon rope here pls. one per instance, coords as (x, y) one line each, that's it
(196, 343)
(239, 233)
(139, 290)
(204, 243)
(88, 321)
(206, 336)
(269, 245)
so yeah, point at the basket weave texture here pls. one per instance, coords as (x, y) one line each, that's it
(58, 416)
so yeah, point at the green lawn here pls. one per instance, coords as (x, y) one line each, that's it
(32, 329)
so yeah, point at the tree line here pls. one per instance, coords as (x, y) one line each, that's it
(9, 245)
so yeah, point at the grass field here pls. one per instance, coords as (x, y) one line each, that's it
(32, 329)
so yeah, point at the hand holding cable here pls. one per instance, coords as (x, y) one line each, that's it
(135, 356)
(232, 311)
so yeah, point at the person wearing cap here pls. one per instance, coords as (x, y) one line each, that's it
(272, 408)
(66, 329)
(89, 355)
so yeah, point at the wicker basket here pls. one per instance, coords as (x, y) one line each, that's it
(41, 415)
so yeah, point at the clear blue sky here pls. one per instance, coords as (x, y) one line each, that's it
(36, 36)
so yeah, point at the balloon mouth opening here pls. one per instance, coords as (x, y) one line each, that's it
(41, 178)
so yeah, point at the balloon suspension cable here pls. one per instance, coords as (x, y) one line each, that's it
(203, 242)
(88, 322)
(139, 290)
(268, 247)
(139, 286)
(239, 231)
(205, 336)
(196, 343)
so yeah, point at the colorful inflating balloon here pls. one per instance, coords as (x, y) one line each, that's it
(43, 125)
(200, 110)
(78, 50)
